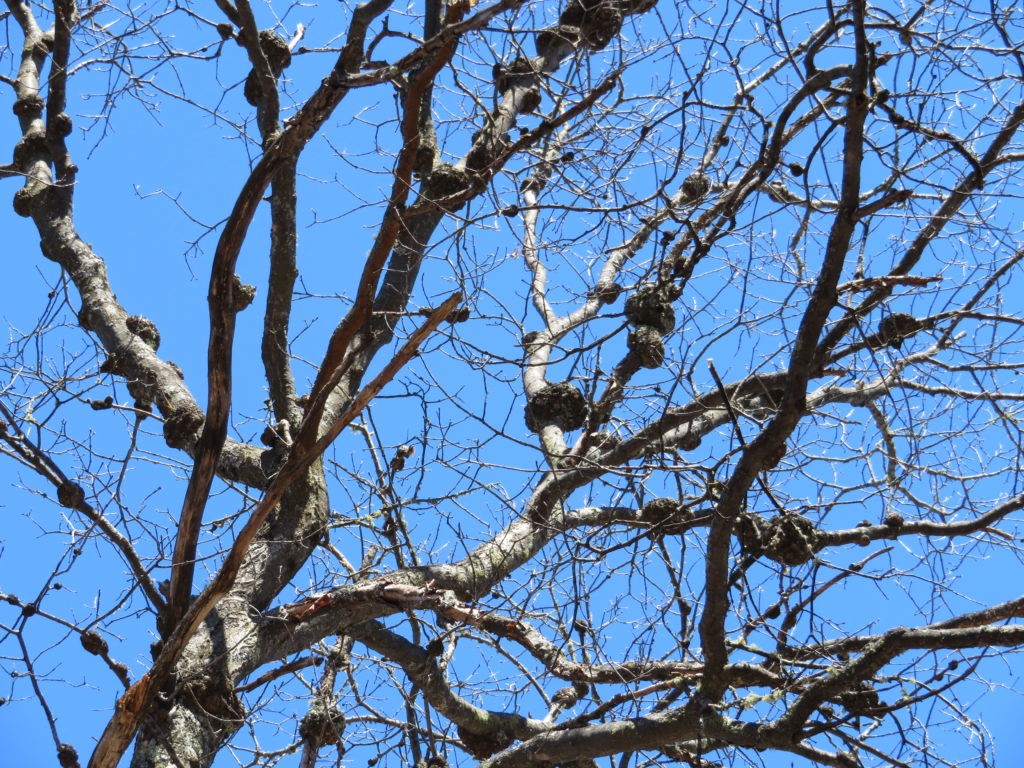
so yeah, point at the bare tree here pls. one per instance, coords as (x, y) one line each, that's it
(619, 360)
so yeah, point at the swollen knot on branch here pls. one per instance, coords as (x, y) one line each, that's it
(896, 328)
(29, 106)
(323, 725)
(785, 539)
(598, 21)
(484, 743)
(242, 294)
(31, 159)
(587, 24)
(70, 495)
(447, 181)
(666, 513)
(279, 56)
(863, 700)
(649, 310)
(145, 329)
(67, 756)
(562, 405)
(651, 305)
(695, 187)
(182, 428)
(605, 293)
(93, 643)
(645, 343)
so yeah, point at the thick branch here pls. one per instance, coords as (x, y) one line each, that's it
(133, 706)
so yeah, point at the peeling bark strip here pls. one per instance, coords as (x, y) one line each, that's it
(751, 337)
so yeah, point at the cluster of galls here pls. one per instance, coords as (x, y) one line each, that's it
(568, 696)
(482, 745)
(695, 187)
(322, 725)
(145, 329)
(587, 23)
(666, 514)
(863, 700)
(897, 327)
(649, 310)
(181, 428)
(562, 405)
(447, 181)
(785, 539)
(279, 56)
(33, 147)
